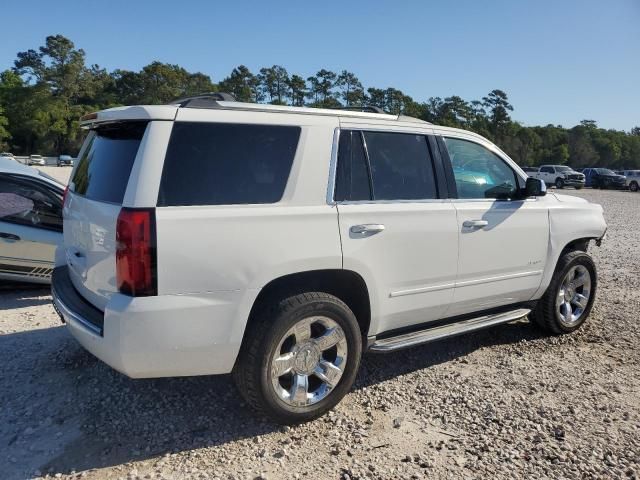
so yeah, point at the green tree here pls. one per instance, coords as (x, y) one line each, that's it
(297, 90)
(321, 89)
(274, 83)
(581, 150)
(498, 107)
(243, 84)
(351, 90)
(4, 132)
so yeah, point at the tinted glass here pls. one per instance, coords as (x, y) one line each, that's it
(227, 164)
(401, 166)
(546, 170)
(479, 173)
(26, 203)
(103, 171)
(352, 177)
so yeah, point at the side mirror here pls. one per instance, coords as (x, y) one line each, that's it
(534, 187)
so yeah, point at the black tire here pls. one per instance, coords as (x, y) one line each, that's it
(252, 373)
(544, 314)
(633, 186)
(559, 183)
(578, 187)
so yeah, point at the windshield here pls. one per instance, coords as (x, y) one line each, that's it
(564, 169)
(604, 171)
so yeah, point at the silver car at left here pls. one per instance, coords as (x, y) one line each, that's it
(30, 222)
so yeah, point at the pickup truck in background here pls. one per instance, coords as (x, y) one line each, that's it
(559, 175)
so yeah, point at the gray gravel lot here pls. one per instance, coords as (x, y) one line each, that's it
(503, 403)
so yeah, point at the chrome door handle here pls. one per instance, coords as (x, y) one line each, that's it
(366, 230)
(475, 223)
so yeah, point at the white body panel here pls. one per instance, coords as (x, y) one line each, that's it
(503, 262)
(89, 230)
(410, 266)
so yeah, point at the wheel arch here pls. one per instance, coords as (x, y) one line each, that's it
(347, 285)
(571, 227)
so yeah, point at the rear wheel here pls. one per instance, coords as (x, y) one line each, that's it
(299, 360)
(559, 183)
(567, 302)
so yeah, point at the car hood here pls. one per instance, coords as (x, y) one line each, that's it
(571, 199)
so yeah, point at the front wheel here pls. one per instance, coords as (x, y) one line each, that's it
(298, 361)
(567, 302)
(559, 183)
(633, 186)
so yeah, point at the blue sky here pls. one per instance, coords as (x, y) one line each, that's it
(559, 61)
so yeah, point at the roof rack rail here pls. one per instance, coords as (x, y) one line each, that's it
(204, 100)
(363, 108)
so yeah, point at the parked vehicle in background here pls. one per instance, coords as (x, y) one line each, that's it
(36, 160)
(530, 170)
(632, 181)
(603, 178)
(559, 175)
(8, 155)
(30, 222)
(278, 243)
(65, 160)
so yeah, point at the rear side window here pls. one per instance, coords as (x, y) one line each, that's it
(227, 164)
(401, 166)
(103, 170)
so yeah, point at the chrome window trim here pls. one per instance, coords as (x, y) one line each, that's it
(393, 202)
(331, 186)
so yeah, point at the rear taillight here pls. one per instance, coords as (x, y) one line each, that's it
(136, 252)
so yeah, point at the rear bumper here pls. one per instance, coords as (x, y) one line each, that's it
(162, 336)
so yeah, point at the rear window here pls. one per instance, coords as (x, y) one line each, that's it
(103, 170)
(227, 164)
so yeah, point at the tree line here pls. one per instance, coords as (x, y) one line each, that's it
(46, 92)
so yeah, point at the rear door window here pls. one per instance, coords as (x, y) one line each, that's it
(401, 166)
(103, 170)
(227, 164)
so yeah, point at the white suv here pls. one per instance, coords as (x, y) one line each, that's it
(279, 243)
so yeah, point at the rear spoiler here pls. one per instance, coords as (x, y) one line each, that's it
(124, 114)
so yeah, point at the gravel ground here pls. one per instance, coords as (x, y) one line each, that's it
(504, 403)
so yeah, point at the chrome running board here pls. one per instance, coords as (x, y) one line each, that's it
(427, 335)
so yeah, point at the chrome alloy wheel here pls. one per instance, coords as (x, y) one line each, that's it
(573, 295)
(309, 361)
